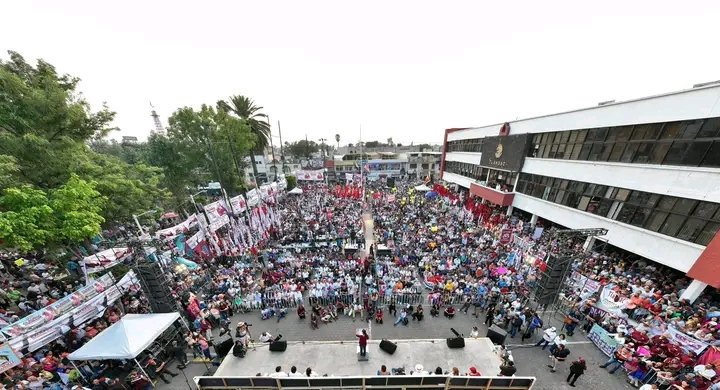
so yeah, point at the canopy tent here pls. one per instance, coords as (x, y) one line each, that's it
(422, 188)
(126, 338)
(296, 191)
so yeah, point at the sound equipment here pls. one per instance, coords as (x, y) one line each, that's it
(156, 286)
(391, 182)
(550, 281)
(388, 346)
(455, 342)
(278, 346)
(497, 335)
(222, 348)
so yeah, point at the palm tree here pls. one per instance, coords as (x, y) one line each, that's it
(337, 139)
(244, 108)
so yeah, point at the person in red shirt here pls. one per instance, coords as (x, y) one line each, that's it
(363, 339)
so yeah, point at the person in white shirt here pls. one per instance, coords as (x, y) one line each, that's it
(294, 372)
(548, 336)
(265, 337)
(475, 332)
(707, 371)
(419, 370)
(648, 386)
(279, 373)
(310, 373)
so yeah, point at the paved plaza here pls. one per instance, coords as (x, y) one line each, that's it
(529, 360)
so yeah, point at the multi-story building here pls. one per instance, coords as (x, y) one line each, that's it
(424, 164)
(647, 170)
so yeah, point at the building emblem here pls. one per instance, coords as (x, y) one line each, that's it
(499, 150)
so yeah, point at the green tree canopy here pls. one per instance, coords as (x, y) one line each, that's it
(302, 148)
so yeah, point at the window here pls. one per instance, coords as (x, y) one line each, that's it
(658, 153)
(626, 213)
(672, 130)
(676, 152)
(695, 153)
(692, 128)
(710, 129)
(707, 233)
(691, 229)
(672, 224)
(712, 157)
(629, 152)
(667, 203)
(644, 153)
(705, 210)
(648, 131)
(655, 221)
(617, 151)
(622, 194)
(640, 216)
(685, 206)
(621, 133)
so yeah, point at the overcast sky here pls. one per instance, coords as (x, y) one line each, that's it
(401, 69)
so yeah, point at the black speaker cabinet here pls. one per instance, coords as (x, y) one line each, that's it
(456, 342)
(388, 346)
(278, 346)
(222, 348)
(497, 335)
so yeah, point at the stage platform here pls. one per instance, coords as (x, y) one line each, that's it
(336, 358)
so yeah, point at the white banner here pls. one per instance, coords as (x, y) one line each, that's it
(216, 210)
(238, 204)
(105, 259)
(177, 229)
(310, 175)
(193, 241)
(689, 343)
(611, 301)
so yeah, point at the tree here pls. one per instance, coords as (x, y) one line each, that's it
(373, 144)
(291, 182)
(25, 219)
(390, 142)
(302, 148)
(337, 139)
(244, 108)
(76, 208)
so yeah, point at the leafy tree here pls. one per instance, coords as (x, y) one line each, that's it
(302, 148)
(25, 218)
(337, 140)
(8, 171)
(373, 144)
(212, 139)
(76, 207)
(244, 108)
(291, 182)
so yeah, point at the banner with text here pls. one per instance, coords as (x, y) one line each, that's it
(8, 358)
(310, 175)
(602, 339)
(687, 342)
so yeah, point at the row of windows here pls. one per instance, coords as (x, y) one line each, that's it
(465, 145)
(686, 219)
(472, 171)
(689, 143)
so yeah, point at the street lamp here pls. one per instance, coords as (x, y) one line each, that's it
(137, 223)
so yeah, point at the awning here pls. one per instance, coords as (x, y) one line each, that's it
(126, 338)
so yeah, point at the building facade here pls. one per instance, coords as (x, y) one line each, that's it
(647, 170)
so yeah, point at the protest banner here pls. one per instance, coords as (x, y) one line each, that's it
(602, 339)
(8, 358)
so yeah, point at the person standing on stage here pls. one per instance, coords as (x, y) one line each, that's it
(363, 339)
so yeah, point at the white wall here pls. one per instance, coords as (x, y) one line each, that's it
(457, 179)
(689, 104)
(685, 182)
(663, 249)
(465, 157)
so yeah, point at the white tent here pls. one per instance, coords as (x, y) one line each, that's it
(422, 188)
(296, 191)
(126, 338)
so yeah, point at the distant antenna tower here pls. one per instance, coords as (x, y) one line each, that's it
(159, 129)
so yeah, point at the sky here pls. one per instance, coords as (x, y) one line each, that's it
(401, 69)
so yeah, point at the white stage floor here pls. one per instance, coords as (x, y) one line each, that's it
(336, 358)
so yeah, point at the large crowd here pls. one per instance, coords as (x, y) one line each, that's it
(436, 250)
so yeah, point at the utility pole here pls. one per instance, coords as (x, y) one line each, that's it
(322, 146)
(272, 149)
(282, 155)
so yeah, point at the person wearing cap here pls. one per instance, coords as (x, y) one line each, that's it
(577, 368)
(419, 370)
(548, 336)
(474, 372)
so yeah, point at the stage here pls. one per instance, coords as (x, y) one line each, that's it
(336, 358)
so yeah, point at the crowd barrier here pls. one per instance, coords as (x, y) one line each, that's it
(402, 298)
(276, 299)
(326, 300)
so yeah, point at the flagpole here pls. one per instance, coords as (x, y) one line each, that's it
(362, 168)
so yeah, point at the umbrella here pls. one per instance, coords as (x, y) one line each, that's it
(431, 194)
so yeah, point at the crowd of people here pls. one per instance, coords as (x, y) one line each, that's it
(436, 249)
